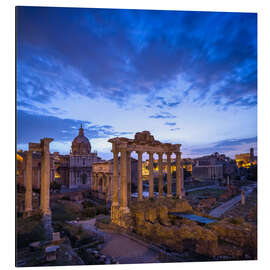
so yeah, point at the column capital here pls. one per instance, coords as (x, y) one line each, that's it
(168, 154)
(160, 154)
(139, 153)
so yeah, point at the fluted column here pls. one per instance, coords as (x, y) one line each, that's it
(128, 176)
(178, 175)
(109, 187)
(123, 187)
(115, 200)
(160, 175)
(140, 185)
(103, 187)
(182, 180)
(151, 175)
(28, 186)
(45, 177)
(169, 175)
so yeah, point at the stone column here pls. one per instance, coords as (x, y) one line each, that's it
(151, 175)
(160, 175)
(115, 199)
(123, 186)
(38, 177)
(178, 175)
(45, 177)
(182, 178)
(28, 185)
(103, 187)
(128, 176)
(228, 180)
(109, 188)
(243, 201)
(169, 175)
(140, 185)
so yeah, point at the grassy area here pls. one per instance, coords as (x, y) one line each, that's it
(29, 230)
(206, 192)
(65, 210)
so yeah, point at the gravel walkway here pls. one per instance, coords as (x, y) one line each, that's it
(121, 248)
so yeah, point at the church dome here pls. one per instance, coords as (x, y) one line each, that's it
(80, 144)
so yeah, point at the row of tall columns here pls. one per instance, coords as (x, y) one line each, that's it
(45, 178)
(125, 177)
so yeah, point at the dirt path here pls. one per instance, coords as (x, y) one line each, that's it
(219, 211)
(121, 248)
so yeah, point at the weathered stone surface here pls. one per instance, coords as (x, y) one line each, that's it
(151, 215)
(163, 215)
(236, 234)
(207, 203)
(139, 217)
(202, 240)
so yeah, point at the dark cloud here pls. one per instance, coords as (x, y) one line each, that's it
(118, 53)
(226, 146)
(32, 127)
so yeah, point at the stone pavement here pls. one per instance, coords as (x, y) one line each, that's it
(121, 248)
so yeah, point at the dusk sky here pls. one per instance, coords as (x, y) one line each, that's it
(187, 77)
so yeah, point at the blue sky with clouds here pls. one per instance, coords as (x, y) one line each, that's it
(187, 77)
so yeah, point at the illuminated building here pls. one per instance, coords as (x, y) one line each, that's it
(246, 159)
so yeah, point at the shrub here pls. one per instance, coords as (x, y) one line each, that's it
(101, 209)
(87, 204)
(104, 219)
(89, 212)
(237, 220)
(66, 198)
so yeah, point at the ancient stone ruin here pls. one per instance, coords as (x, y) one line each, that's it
(142, 142)
(44, 148)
